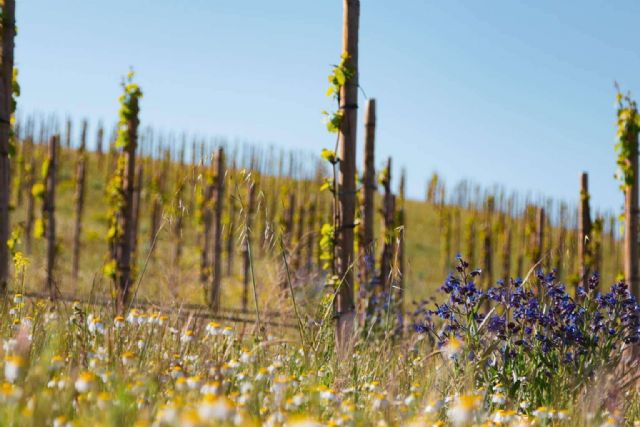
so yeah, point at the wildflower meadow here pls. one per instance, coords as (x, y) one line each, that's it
(153, 277)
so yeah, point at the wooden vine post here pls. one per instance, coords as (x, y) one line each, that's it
(246, 245)
(48, 214)
(367, 250)
(205, 215)
(7, 106)
(99, 142)
(344, 303)
(627, 147)
(506, 248)
(231, 228)
(79, 202)
(595, 249)
(121, 194)
(178, 219)
(137, 193)
(584, 231)
(539, 236)
(68, 133)
(487, 244)
(216, 274)
(400, 251)
(388, 210)
(30, 180)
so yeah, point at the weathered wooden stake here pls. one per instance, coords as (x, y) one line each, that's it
(231, 229)
(79, 201)
(487, 246)
(596, 245)
(584, 231)
(631, 217)
(137, 192)
(48, 215)
(206, 219)
(344, 303)
(401, 224)
(177, 234)
(217, 230)
(246, 255)
(99, 142)
(367, 249)
(388, 211)
(68, 133)
(6, 89)
(124, 244)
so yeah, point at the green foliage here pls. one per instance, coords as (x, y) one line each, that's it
(38, 228)
(383, 176)
(327, 185)
(628, 125)
(114, 191)
(109, 269)
(330, 156)
(128, 109)
(15, 93)
(38, 190)
(339, 76)
(327, 246)
(14, 240)
(333, 120)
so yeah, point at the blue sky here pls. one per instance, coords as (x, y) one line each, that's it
(512, 92)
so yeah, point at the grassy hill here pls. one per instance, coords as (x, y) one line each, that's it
(426, 263)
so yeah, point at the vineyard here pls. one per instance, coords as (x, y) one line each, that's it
(160, 278)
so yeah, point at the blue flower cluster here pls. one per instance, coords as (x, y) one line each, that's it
(540, 323)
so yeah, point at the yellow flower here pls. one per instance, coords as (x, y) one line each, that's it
(301, 421)
(84, 382)
(176, 372)
(118, 322)
(453, 348)
(10, 393)
(61, 421)
(213, 408)
(13, 368)
(57, 362)
(104, 399)
(464, 409)
(128, 357)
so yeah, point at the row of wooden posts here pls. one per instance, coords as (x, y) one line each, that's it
(525, 235)
(212, 193)
(344, 211)
(495, 227)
